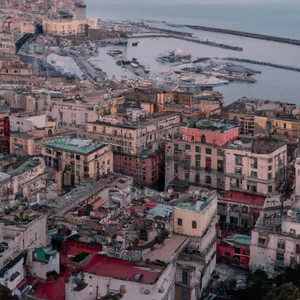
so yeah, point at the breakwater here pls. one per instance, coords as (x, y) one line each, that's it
(262, 63)
(247, 34)
(189, 39)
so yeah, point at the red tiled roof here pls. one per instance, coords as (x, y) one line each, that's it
(150, 204)
(111, 267)
(52, 290)
(245, 198)
(73, 248)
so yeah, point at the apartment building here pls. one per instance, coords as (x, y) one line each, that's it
(196, 219)
(24, 143)
(7, 46)
(72, 114)
(255, 165)
(239, 210)
(80, 11)
(4, 129)
(206, 102)
(16, 69)
(274, 241)
(254, 115)
(78, 159)
(197, 156)
(138, 149)
(22, 236)
(67, 27)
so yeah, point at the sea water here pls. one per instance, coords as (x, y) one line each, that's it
(266, 16)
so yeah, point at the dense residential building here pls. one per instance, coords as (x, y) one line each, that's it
(72, 114)
(7, 47)
(23, 236)
(138, 149)
(195, 265)
(234, 250)
(78, 159)
(256, 165)
(205, 103)
(197, 155)
(4, 129)
(239, 210)
(254, 115)
(23, 143)
(67, 27)
(274, 240)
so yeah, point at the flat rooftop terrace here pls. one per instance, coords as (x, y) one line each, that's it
(84, 146)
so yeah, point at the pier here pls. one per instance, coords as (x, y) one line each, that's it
(262, 63)
(189, 39)
(247, 34)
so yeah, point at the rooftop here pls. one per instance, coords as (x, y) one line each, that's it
(201, 202)
(162, 210)
(165, 252)
(84, 146)
(262, 145)
(239, 238)
(245, 198)
(54, 290)
(252, 106)
(124, 270)
(220, 126)
(4, 177)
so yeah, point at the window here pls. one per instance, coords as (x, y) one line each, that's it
(238, 160)
(187, 147)
(194, 224)
(270, 160)
(197, 149)
(179, 222)
(108, 162)
(219, 152)
(253, 174)
(269, 168)
(280, 259)
(298, 248)
(208, 179)
(281, 244)
(254, 163)
(187, 175)
(203, 139)
(197, 177)
(184, 276)
(94, 128)
(262, 241)
(284, 125)
(184, 295)
(175, 146)
(220, 166)
(270, 189)
(77, 157)
(188, 161)
(208, 164)
(238, 171)
(208, 151)
(245, 209)
(269, 176)
(198, 160)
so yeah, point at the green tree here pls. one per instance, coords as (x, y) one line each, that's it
(285, 292)
(257, 286)
(5, 293)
